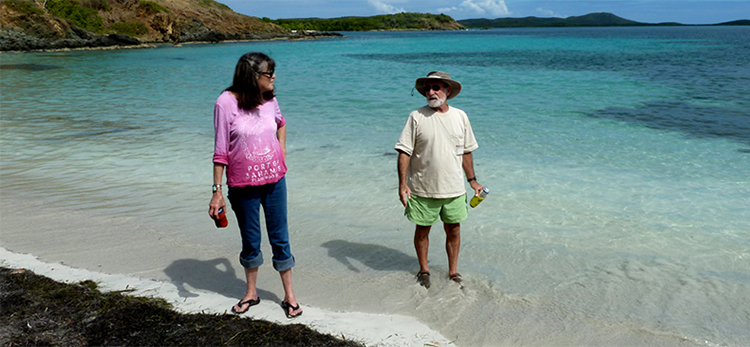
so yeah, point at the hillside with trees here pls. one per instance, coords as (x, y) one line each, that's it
(600, 19)
(592, 19)
(55, 24)
(398, 21)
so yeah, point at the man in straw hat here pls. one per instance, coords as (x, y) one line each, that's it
(433, 150)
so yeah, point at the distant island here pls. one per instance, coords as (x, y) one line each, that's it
(398, 21)
(27, 25)
(422, 21)
(601, 19)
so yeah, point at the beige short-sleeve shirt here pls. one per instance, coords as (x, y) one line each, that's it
(436, 143)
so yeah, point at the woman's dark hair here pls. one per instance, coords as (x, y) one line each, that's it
(245, 82)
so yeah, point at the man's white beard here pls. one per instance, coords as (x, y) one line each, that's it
(436, 103)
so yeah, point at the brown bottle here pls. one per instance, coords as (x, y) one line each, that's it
(221, 221)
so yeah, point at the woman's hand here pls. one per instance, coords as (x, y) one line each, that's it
(217, 202)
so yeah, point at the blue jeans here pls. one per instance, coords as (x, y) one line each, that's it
(246, 202)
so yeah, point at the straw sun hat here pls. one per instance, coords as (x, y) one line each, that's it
(440, 76)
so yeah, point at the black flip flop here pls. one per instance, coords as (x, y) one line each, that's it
(250, 303)
(423, 277)
(286, 306)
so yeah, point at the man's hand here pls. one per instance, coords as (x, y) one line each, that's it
(476, 186)
(404, 194)
(402, 166)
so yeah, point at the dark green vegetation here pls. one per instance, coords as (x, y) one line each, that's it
(421, 21)
(737, 22)
(601, 19)
(134, 28)
(592, 19)
(214, 4)
(399, 21)
(84, 16)
(151, 8)
(37, 311)
(24, 7)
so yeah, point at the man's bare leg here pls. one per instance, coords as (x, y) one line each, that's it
(422, 245)
(452, 246)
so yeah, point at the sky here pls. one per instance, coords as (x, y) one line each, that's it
(647, 11)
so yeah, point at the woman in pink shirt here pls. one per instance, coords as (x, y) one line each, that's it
(250, 143)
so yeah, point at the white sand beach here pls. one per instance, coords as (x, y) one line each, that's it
(66, 247)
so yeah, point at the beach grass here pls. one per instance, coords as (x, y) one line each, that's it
(38, 311)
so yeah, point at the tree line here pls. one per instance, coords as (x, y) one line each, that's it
(398, 21)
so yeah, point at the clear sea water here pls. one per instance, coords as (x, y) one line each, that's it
(618, 161)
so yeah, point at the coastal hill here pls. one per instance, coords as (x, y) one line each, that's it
(422, 21)
(592, 19)
(55, 24)
(600, 19)
(398, 21)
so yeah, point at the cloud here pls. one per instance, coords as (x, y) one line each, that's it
(384, 8)
(493, 8)
(548, 13)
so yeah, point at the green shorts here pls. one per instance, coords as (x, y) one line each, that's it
(425, 211)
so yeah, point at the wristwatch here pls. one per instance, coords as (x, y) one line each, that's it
(215, 188)
(472, 179)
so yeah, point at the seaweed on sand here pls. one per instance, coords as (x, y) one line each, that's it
(37, 311)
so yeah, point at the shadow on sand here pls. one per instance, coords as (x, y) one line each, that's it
(376, 257)
(215, 275)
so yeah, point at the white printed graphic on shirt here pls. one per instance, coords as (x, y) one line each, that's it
(255, 151)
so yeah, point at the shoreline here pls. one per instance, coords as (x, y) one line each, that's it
(146, 45)
(370, 329)
(156, 259)
(99, 48)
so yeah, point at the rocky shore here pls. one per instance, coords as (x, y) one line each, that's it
(28, 25)
(13, 39)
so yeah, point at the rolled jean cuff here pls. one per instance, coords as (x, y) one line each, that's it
(283, 265)
(252, 263)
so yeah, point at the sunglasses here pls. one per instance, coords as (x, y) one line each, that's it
(267, 74)
(434, 87)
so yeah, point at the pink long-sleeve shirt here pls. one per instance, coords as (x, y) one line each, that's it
(247, 143)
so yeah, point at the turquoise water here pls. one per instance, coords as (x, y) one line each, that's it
(617, 161)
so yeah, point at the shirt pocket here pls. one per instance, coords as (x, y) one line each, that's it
(458, 144)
